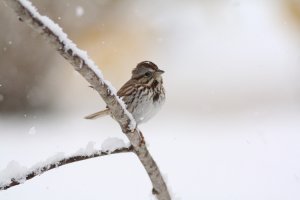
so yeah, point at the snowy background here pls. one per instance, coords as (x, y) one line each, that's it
(229, 129)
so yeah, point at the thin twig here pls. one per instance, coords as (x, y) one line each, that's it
(87, 69)
(42, 169)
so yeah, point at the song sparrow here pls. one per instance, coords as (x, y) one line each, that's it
(143, 94)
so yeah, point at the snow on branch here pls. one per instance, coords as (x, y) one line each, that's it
(15, 174)
(79, 58)
(88, 69)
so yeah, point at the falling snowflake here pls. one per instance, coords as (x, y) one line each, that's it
(79, 11)
(32, 131)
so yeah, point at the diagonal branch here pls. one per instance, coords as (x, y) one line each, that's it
(36, 171)
(86, 67)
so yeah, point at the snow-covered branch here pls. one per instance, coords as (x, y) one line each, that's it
(15, 174)
(87, 68)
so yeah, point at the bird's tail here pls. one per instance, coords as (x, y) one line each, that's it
(98, 114)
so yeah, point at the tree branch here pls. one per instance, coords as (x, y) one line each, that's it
(57, 163)
(86, 67)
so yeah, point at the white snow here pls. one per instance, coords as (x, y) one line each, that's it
(243, 147)
(112, 89)
(12, 170)
(18, 172)
(63, 37)
(32, 130)
(111, 144)
(132, 124)
(51, 160)
(244, 156)
(87, 151)
(79, 11)
(57, 157)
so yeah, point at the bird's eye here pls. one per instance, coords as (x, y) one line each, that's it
(148, 74)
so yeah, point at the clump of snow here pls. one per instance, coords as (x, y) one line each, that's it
(111, 144)
(69, 45)
(87, 151)
(51, 160)
(32, 130)
(10, 42)
(1, 97)
(79, 11)
(18, 173)
(13, 170)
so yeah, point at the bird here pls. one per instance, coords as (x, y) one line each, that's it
(143, 94)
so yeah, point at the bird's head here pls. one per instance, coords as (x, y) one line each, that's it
(147, 71)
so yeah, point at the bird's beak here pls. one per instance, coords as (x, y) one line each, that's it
(160, 71)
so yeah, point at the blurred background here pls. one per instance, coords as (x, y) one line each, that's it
(231, 121)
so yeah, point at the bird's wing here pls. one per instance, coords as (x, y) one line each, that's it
(127, 89)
